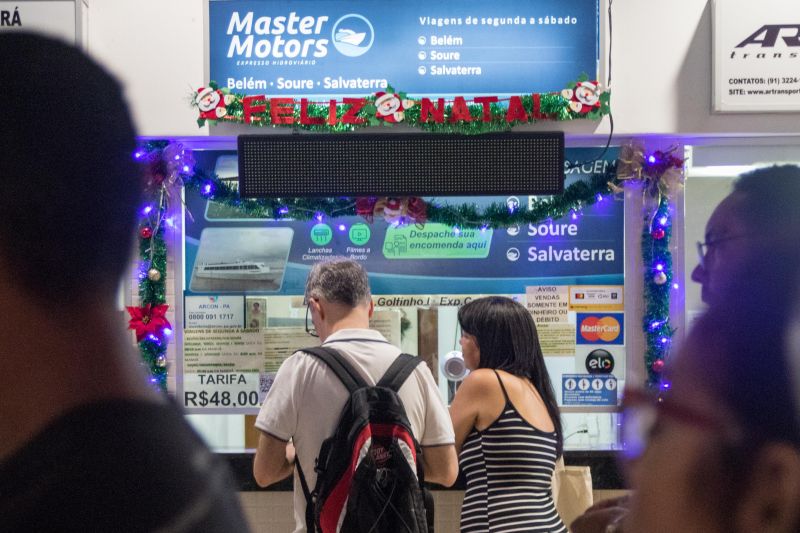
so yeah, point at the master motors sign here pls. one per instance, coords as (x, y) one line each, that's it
(334, 48)
(756, 55)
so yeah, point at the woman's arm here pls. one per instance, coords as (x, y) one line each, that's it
(470, 397)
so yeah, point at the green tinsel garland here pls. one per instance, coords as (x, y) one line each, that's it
(575, 197)
(656, 320)
(553, 106)
(153, 256)
(654, 251)
(153, 292)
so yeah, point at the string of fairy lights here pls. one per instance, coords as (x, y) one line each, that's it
(169, 168)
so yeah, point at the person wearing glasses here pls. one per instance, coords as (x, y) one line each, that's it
(755, 222)
(760, 214)
(717, 447)
(506, 419)
(306, 399)
(718, 450)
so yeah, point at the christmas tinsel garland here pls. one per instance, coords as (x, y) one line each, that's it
(657, 172)
(484, 118)
(496, 215)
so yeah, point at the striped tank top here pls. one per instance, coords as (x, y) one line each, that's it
(509, 469)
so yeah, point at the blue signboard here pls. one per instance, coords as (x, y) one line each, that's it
(226, 253)
(331, 48)
(588, 389)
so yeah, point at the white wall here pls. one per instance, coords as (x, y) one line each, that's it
(155, 47)
(661, 68)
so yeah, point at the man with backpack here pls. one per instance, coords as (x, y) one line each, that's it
(373, 408)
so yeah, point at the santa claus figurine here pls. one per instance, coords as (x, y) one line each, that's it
(212, 103)
(584, 98)
(389, 107)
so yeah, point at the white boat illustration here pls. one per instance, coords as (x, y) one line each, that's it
(350, 37)
(236, 270)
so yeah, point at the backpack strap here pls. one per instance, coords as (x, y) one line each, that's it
(349, 377)
(311, 526)
(398, 372)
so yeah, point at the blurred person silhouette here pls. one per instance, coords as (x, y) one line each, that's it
(719, 449)
(86, 444)
(749, 226)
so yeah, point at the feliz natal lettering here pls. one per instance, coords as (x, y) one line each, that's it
(282, 110)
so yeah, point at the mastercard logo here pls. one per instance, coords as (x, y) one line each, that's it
(595, 328)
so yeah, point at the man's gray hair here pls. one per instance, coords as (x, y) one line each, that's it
(339, 280)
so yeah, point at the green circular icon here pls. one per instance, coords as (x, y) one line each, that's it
(321, 234)
(359, 234)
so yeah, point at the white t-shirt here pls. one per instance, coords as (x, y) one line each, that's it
(306, 399)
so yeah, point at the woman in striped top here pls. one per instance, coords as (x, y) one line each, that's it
(506, 420)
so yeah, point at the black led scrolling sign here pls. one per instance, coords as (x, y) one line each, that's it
(356, 164)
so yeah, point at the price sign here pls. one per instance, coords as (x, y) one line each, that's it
(221, 390)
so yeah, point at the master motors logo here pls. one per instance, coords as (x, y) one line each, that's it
(353, 35)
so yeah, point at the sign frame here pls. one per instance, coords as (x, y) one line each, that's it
(747, 85)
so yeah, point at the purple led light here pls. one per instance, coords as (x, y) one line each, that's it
(152, 338)
(170, 222)
(138, 155)
(676, 286)
(655, 324)
(147, 209)
(574, 215)
(651, 159)
(177, 157)
(484, 228)
(186, 168)
(664, 340)
(342, 227)
(599, 197)
(283, 210)
(663, 220)
(207, 188)
(318, 216)
(456, 230)
(660, 267)
(167, 332)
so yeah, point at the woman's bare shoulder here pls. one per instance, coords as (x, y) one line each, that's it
(479, 381)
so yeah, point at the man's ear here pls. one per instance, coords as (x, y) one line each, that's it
(317, 306)
(771, 500)
(371, 308)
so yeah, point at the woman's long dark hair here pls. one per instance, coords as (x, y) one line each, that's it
(507, 338)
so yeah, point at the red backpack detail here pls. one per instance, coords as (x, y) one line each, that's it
(369, 472)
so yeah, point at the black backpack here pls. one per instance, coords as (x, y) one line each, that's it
(369, 472)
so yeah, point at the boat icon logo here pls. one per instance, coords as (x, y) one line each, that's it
(353, 35)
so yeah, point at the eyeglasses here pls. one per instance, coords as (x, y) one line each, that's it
(704, 247)
(310, 329)
(642, 411)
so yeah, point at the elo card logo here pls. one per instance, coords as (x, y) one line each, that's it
(599, 328)
(599, 361)
(353, 35)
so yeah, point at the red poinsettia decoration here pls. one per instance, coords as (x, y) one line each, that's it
(148, 320)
